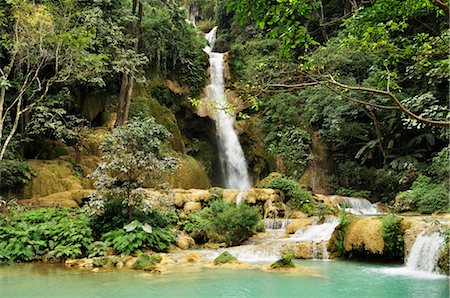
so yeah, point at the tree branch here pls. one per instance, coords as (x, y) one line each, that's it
(389, 94)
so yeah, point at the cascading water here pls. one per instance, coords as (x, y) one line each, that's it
(423, 257)
(425, 252)
(276, 223)
(356, 206)
(231, 156)
(319, 234)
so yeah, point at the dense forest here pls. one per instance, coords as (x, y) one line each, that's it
(103, 106)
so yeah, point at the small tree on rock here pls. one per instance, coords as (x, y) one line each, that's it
(132, 154)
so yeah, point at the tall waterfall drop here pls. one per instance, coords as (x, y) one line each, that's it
(231, 156)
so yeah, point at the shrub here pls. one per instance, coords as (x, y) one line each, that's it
(44, 234)
(136, 237)
(146, 262)
(15, 174)
(234, 224)
(221, 222)
(393, 236)
(425, 196)
(115, 216)
(341, 230)
(297, 197)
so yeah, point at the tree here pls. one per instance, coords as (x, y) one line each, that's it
(45, 46)
(132, 154)
(132, 64)
(395, 36)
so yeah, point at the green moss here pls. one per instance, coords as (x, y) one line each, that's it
(285, 262)
(217, 192)
(144, 106)
(189, 174)
(224, 258)
(146, 262)
(101, 262)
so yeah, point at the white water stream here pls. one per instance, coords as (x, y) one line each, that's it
(423, 257)
(357, 206)
(231, 156)
(271, 247)
(425, 252)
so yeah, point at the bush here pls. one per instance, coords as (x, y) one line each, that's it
(115, 216)
(136, 237)
(15, 174)
(44, 234)
(234, 224)
(221, 222)
(393, 236)
(146, 262)
(360, 181)
(341, 230)
(297, 197)
(425, 196)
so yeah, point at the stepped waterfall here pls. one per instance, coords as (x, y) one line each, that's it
(425, 252)
(231, 156)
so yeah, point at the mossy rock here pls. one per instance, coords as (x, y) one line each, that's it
(104, 262)
(145, 106)
(264, 182)
(225, 258)
(70, 199)
(52, 176)
(285, 262)
(146, 262)
(189, 174)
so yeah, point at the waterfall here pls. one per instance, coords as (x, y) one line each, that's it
(425, 252)
(423, 258)
(317, 233)
(276, 223)
(356, 206)
(231, 156)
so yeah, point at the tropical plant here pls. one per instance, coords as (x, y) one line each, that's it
(393, 236)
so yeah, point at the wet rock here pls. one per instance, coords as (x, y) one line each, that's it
(184, 241)
(191, 258)
(297, 224)
(225, 258)
(191, 207)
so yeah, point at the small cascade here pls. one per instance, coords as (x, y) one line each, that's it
(317, 232)
(231, 156)
(319, 235)
(422, 259)
(357, 206)
(276, 223)
(425, 252)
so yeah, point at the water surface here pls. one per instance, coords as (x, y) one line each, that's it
(329, 279)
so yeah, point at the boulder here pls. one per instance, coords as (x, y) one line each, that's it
(190, 258)
(184, 241)
(298, 224)
(302, 250)
(191, 207)
(225, 258)
(70, 199)
(53, 176)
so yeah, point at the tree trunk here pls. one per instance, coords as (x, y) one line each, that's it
(126, 87)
